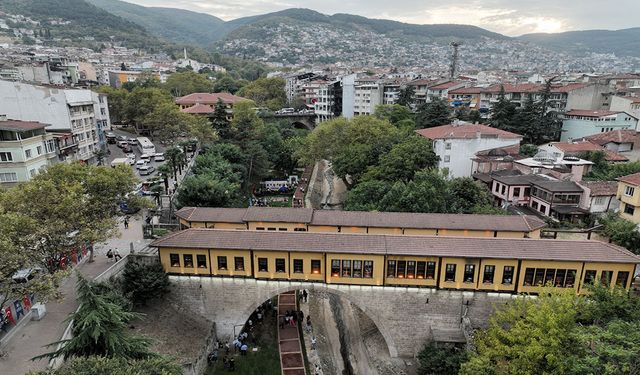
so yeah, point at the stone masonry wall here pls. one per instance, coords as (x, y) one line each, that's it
(404, 316)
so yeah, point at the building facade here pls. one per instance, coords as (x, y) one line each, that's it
(577, 124)
(629, 196)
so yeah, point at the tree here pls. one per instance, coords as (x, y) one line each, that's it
(528, 336)
(100, 155)
(435, 113)
(220, 121)
(141, 102)
(266, 92)
(168, 124)
(205, 190)
(104, 365)
(622, 232)
(175, 159)
(404, 160)
(525, 122)
(395, 113)
(100, 329)
(145, 80)
(117, 102)
(246, 123)
(74, 205)
(503, 112)
(474, 116)
(141, 282)
(406, 96)
(528, 149)
(366, 195)
(180, 84)
(548, 123)
(226, 84)
(465, 196)
(440, 359)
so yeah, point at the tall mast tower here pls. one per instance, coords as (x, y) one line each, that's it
(454, 59)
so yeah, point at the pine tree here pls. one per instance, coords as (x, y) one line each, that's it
(220, 122)
(100, 328)
(525, 121)
(503, 112)
(436, 113)
(405, 98)
(549, 124)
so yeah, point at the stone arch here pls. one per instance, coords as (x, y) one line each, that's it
(382, 328)
(302, 124)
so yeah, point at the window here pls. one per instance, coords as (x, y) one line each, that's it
(559, 280)
(447, 146)
(598, 200)
(239, 263)
(391, 268)
(447, 158)
(8, 177)
(469, 272)
(282, 229)
(368, 269)
(402, 265)
(202, 261)
(298, 266)
(589, 277)
(271, 228)
(489, 271)
(621, 279)
(528, 276)
(315, 267)
(32, 172)
(222, 263)
(516, 192)
(431, 270)
(357, 268)
(174, 259)
(507, 275)
(263, 265)
(606, 277)
(299, 229)
(335, 268)
(503, 190)
(549, 276)
(450, 272)
(259, 228)
(629, 190)
(280, 265)
(346, 268)
(39, 150)
(27, 153)
(421, 270)
(629, 209)
(570, 281)
(411, 269)
(538, 279)
(188, 260)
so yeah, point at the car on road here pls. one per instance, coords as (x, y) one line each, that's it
(127, 149)
(121, 144)
(111, 137)
(158, 157)
(146, 170)
(146, 157)
(133, 141)
(141, 163)
(121, 138)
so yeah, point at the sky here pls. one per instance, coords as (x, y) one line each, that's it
(509, 17)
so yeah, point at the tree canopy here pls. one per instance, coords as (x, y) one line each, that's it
(434, 113)
(185, 83)
(105, 365)
(266, 92)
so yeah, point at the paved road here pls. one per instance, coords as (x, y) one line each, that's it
(291, 359)
(116, 152)
(30, 341)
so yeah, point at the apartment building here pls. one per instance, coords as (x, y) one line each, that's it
(629, 104)
(71, 115)
(25, 149)
(579, 123)
(629, 195)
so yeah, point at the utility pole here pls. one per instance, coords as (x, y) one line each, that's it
(454, 59)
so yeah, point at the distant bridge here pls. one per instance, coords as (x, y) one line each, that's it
(299, 120)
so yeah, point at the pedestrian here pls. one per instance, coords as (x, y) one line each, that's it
(250, 323)
(116, 255)
(292, 320)
(226, 348)
(110, 254)
(225, 361)
(313, 343)
(300, 316)
(237, 344)
(243, 349)
(317, 369)
(259, 315)
(232, 364)
(126, 222)
(305, 295)
(282, 322)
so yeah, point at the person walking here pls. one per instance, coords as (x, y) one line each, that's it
(116, 255)
(243, 349)
(110, 254)
(305, 295)
(126, 222)
(313, 343)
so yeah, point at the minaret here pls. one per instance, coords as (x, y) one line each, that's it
(185, 53)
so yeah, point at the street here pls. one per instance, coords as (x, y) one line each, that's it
(116, 152)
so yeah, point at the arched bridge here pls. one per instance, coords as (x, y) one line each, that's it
(406, 317)
(297, 119)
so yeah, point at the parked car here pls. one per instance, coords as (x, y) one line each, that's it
(133, 141)
(127, 149)
(24, 275)
(126, 209)
(141, 163)
(111, 138)
(145, 157)
(122, 138)
(158, 157)
(146, 170)
(121, 144)
(132, 158)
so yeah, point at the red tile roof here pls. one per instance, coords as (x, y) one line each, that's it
(632, 179)
(601, 188)
(466, 90)
(590, 113)
(212, 214)
(445, 85)
(198, 109)
(465, 131)
(614, 156)
(463, 247)
(278, 214)
(21, 126)
(208, 98)
(614, 136)
(577, 146)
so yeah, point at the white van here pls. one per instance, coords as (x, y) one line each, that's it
(141, 163)
(145, 157)
(158, 157)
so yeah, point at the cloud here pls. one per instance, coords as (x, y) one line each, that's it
(510, 17)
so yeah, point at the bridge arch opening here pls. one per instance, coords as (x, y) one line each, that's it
(382, 329)
(301, 125)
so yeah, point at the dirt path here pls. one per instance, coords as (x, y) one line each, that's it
(291, 358)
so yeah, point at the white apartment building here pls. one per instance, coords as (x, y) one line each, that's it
(457, 144)
(368, 94)
(25, 149)
(71, 114)
(629, 104)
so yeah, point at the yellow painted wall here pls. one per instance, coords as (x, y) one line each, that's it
(633, 200)
(419, 232)
(451, 232)
(615, 267)
(197, 224)
(288, 226)
(503, 234)
(353, 229)
(306, 266)
(458, 283)
(323, 228)
(497, 284)
(535, 234)
(376, 230)
(407, 281)
(231, 270)
(271, 259)
(378, 268)
(184, 223)
(546, 264)
(236, 226)
(166, 263)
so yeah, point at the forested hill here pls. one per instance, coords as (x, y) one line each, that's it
(625, 42)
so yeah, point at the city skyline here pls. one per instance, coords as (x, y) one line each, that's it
(508, 17)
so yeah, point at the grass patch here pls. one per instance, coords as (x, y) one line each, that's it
(266, 361)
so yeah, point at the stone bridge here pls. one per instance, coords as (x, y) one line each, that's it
(406, 317)
(299, 120)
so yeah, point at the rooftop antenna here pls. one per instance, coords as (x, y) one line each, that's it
(454, 59)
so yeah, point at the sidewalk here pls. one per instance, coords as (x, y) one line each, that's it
(291, 359)
(30, 341)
